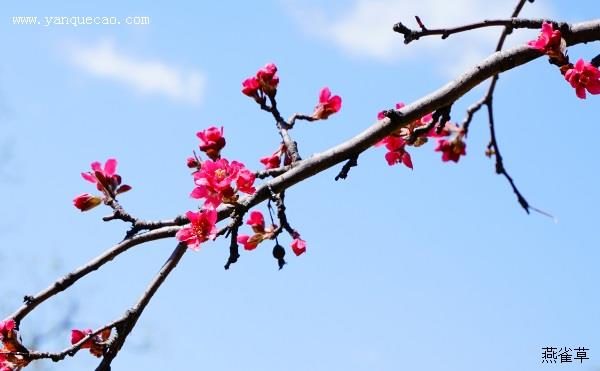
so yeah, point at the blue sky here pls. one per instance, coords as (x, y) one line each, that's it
(432, 269)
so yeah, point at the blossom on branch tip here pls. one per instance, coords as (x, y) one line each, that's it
(211, 142)
(106, 179)
(267, 80)
(86, 201)
(328, 105)
(298, 246)
(250, 87)
(584, 76)
(264, 81)
(201, 228)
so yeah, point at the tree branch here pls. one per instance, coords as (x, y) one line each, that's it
(509, 24)
(31, 302)
(130, 318)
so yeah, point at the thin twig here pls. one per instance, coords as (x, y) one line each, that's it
(509, 24)
(31, 302)
(499, 163)
(343, 174)
(131, 317)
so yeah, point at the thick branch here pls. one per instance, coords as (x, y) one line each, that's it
(494, 64)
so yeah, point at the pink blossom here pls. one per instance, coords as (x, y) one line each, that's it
(245, 181)
(267, 80)
(451, 150)
(549, 40)
(327, 106)
(106, 180)
(250, 243)
(78, 335)
(86, 201)
(213, 182)
(202, 227)
(6, 328)
(96, 344)
(211, 141)
(298, 246)
(256, 221)
(584, 76)
(250, 87)
(399, 156)
(271, 162)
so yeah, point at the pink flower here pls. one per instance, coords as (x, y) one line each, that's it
(267, 80)
(399, 156)
(214, 182)
(256, 221)
(549, 41)
(96, 344)
(250, 243)
(584, 76)
(106, 180)
(451, 150)
(211, 142)
(250, 87)
(201, 228)
(245, 181)
(327, 106)
(271, 162)
(298, 246)
(6, 328)
(78, 335)
(86, 201)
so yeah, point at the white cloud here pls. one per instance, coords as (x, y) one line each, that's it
(364, 28)
(145, 76)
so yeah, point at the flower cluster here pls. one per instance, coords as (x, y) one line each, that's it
(264, 82)
(106, 180)
(215, 182)
(582, 76)
(96, 344)
(396, 142)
